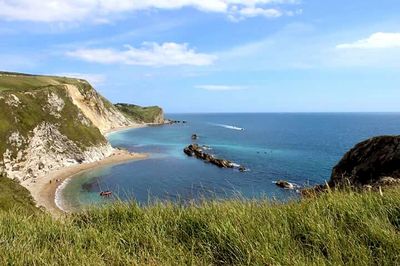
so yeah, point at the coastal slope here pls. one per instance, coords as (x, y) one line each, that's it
(47, 123)
(151, 114)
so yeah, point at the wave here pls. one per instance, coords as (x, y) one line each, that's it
(235, 165)
(58, 196)
(229, 126)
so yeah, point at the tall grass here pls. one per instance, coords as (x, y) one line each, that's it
(341, 228)
(14, 196)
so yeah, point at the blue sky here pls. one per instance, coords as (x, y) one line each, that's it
(214, 55)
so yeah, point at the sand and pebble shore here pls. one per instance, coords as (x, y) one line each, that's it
(46, 190)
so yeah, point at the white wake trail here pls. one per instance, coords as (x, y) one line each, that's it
(229, 126)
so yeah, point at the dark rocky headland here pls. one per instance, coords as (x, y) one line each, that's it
(371, 164)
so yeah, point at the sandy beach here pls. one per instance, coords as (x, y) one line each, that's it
(119, 129)
(43, 190)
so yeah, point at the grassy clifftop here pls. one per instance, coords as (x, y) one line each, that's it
(22, 109)
(10, 81)
(341, 228)
(49, 122)
(44, 125)
(151, 114)
(31, 110)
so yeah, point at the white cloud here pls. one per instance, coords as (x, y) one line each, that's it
(258, 11)
(100, 10)
(220, 87)
(299, 47)
(150, 54)
(94, 79)
(376, 40)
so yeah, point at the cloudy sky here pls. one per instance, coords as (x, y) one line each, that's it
(214, 55)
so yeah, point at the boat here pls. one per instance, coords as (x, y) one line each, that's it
(106, 193)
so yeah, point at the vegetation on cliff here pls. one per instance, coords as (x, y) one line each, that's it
(48, 122)
(151, 114)
(70, 106)
(30, 110)
(335, 228)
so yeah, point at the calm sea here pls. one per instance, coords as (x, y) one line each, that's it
(301, 148)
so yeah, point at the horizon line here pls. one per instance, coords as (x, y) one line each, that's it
(294, 112)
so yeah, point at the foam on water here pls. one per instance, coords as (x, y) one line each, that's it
(58, 199)
(235, 165)
(228, 126)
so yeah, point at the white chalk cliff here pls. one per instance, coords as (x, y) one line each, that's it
(58, 123)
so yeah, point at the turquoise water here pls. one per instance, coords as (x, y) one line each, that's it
(301, 148)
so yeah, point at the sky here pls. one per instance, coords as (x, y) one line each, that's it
(214, 55)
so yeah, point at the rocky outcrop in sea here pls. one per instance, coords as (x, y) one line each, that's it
(198, 152)
(371, 164)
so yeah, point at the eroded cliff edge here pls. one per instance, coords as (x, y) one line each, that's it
(371, 164)
(47, 123)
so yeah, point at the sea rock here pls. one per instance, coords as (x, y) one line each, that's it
(169, 121)
(198, 152)
(194, 137)
(375, 161)
(188, 151)
(285, 184)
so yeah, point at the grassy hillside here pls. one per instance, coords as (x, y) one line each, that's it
(17, 81)
(341, 228)
(13, 196)
(33, 93)
(143, 114)
(31, 112)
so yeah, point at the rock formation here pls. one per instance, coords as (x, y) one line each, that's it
(47, 123)
(371, 162)
(196, 151)
(285, 184)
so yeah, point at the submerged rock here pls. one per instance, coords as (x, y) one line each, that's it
(168, 121)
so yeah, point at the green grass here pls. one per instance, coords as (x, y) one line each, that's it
(16, 81)
(342, 228)
(138, 113)
(13, 196)
(31, 111)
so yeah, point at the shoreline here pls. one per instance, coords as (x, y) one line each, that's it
(45, 188)
(121, 129)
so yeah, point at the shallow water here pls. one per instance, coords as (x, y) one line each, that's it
(301, 148)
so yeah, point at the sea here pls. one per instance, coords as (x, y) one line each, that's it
(301, 148)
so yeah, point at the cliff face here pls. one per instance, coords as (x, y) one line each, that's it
(50, 122)
(373, 162)
(103, 114)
